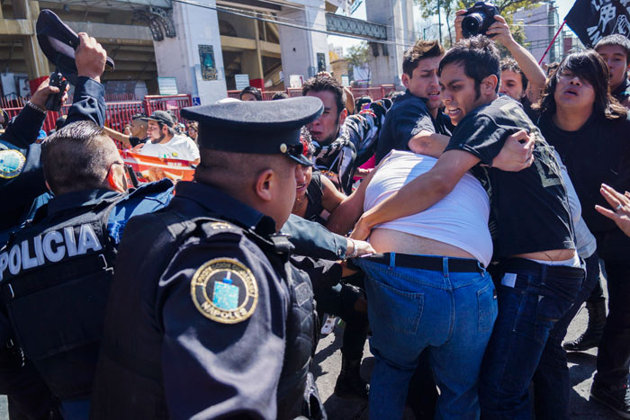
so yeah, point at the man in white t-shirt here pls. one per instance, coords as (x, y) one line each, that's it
(163, 141)
(428, 289)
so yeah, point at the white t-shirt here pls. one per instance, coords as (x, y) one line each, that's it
(179, 147)
(459, 219)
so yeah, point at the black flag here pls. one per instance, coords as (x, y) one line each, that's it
(592, 20)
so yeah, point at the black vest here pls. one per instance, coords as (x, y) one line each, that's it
(56, 274)
(142, 376)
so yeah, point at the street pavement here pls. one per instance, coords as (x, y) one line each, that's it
(328, 362)
(582, 367)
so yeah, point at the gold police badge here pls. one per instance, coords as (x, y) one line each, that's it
(224, 290)
(11, 163)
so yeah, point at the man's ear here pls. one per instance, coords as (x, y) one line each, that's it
(264, 185)
(116, 180)
(343, 115)
(405, 80)
(489, 85)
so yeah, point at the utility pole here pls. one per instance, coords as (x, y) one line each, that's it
(439, 20)
(552, 29)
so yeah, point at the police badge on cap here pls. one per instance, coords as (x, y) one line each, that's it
(261, 127)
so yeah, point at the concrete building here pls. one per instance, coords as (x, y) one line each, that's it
(540, 25)
(201, 47)
(397, 16)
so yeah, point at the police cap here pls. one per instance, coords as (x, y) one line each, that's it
(261, 127)
(58, 42)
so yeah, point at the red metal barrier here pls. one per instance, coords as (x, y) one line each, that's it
(51, 117)
(118, 114)
(12, 102)
(376, 92)
(166, 103)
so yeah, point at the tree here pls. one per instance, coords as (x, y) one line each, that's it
(448, 8)
(358, 57)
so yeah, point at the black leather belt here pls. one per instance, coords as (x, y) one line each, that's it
(426, 262)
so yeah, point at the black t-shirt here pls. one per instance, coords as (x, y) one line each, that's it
(443, 124)
(530, 208)
(407, 117)
(137, 140)
(598, 152)
(314, 195)
(622, 91)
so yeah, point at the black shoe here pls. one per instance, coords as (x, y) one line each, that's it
(350, 384)
(617, 398)
(594, 331)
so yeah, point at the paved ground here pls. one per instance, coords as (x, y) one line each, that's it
(581, 365)
(328, 358)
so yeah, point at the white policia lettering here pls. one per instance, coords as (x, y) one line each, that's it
(52, 247)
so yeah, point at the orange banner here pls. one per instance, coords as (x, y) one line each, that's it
(149, 168)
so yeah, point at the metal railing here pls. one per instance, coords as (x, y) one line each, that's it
(375, 92)
(118, 114)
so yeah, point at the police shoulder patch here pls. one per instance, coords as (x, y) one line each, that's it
(224, 290)
(11, 163)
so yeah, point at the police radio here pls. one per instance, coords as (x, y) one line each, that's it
(53, 103)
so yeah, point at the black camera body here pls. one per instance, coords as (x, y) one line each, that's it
(53, 103)
(478, 19)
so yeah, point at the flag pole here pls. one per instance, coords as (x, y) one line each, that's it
(552, 41)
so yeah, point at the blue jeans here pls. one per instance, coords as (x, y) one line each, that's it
(532, 299)
(449, 313)
(552, 374)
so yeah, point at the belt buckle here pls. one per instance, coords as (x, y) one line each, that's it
(480, 266)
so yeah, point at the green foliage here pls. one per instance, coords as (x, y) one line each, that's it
(448, 8)
(358, 55)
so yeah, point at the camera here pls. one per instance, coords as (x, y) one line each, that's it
(478, 18)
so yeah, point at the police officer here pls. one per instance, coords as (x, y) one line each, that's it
(55, 271)
(207, 318)
(21, 176)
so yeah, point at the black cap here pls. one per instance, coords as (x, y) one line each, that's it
(58, 42)
(161, 117)
(261, 127)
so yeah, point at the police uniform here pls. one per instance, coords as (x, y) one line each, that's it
(212, 320)
(21, 174)
(55, 274)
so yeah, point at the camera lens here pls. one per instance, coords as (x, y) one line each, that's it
(471, 24)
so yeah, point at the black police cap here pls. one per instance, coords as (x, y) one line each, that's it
(261, 127)
(58, 43)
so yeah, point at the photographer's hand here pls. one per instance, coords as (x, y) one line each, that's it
(90, 57)
(500, 31)
(459, 17)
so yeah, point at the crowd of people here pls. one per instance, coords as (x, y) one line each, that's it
(460, 225)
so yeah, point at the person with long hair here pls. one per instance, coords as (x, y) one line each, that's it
(589, 129)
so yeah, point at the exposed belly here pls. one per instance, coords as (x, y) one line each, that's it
(388, 240)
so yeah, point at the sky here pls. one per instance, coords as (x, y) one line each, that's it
(339, 41)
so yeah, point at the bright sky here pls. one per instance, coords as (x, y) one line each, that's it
(563, 8)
